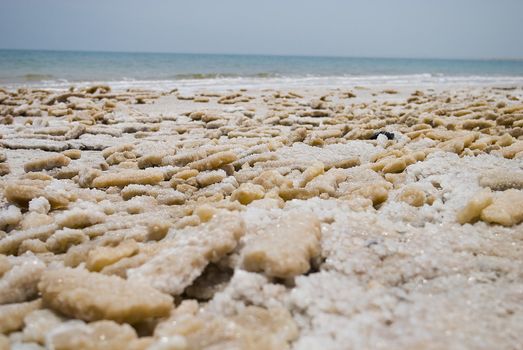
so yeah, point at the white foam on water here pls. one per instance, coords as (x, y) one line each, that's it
(223, 84)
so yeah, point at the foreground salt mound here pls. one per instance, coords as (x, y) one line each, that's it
(189, 327)
(100, 335)
(90, 296)
(410, 315)
(13, 315)
(19, 281)
(385, 279)
(181, 260)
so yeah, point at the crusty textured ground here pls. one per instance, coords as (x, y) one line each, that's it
(262, 219)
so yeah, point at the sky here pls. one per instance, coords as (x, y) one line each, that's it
(357, 28)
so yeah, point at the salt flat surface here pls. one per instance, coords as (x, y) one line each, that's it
(262, 218)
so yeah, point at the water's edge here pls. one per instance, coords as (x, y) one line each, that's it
(61, 69)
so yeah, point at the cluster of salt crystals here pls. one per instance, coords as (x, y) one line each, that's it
(146, 206)
(423, 266)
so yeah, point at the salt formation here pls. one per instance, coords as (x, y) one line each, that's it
(368, 218)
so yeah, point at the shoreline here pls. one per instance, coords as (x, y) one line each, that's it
(223, 83)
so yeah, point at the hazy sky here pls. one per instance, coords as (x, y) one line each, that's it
(401, 28)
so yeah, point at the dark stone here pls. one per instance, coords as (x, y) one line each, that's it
(390, 135)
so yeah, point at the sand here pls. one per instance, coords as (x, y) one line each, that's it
(362, 218)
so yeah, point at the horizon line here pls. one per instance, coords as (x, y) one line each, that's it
(274, 55)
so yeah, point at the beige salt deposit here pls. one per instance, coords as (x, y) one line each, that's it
(262, 219)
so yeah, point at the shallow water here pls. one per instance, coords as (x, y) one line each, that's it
(59, 69)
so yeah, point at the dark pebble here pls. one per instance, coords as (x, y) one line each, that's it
(390, 135)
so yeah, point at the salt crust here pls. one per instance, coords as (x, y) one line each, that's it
(420, 233)
(91, 296)
(188, 253)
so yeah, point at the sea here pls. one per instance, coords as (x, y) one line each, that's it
(164, 71)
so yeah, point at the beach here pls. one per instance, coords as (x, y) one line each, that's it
(373, 216)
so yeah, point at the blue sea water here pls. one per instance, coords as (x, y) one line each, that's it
(162, 70)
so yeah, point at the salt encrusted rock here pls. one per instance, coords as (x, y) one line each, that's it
(39, 205)
(208, 178)
(506, 209)
(12, 315)
(458, 144)
(54, 131)
(62, 240)
(151, 160)
(139, 204)
(44, 145)
(310, 173)
(186, 174)
(20, 282)
(512, 150)
(4, 169)
(38, 324)
(131, 191)
(205, 212)
(500, 180)
(472, 211)
(253, 328)
(158, 230)
(10, 244)
(184, 257)
(480, 124)
(328, 182)
(127, 177)
(247, 193)
(75, 132)
(167, 196)
(121, 157)
(106, 153)
(47, 163)
(395, 166)
(365, 183)
(100, 335)
(288, 194)
(91, 296)
(21, 193)
(81, 217)
(344, 163)
(214, 161)
(122, 266)
(413, 195)
(248, 288)
(34, 219)
(10, 216)
(255, 158)
(34, 246)
(285, 249)
(100, 257)
(87, 175)
(37, 178)
(73, 153)
(186, 157)
(270, 179)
